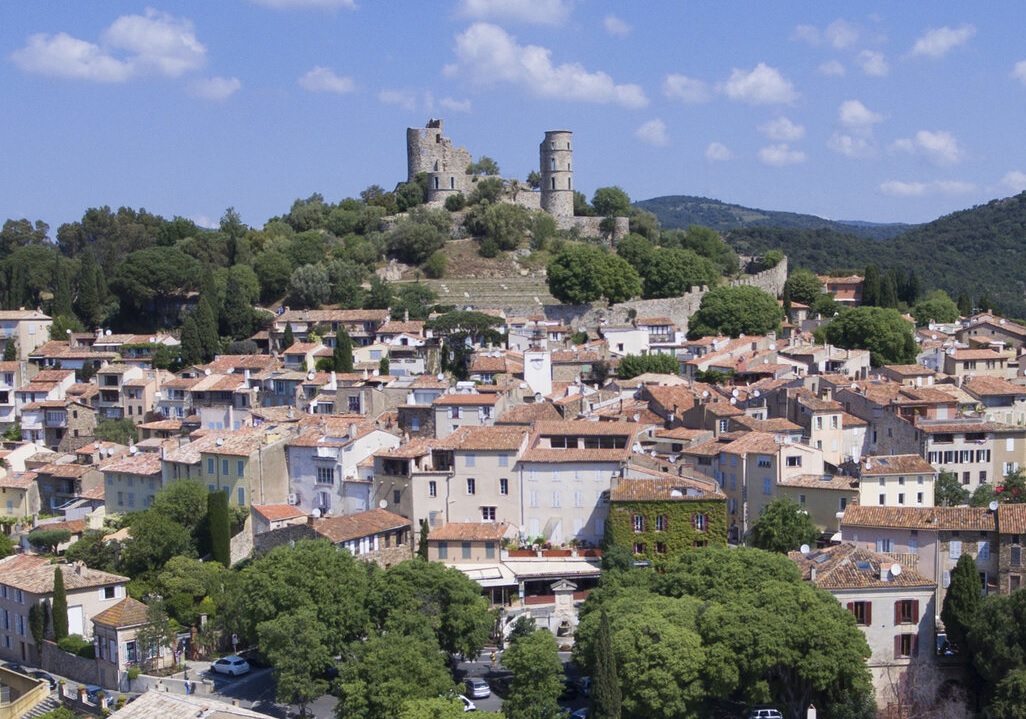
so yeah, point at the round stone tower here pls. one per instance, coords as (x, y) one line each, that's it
(557, 186)
(428, 150)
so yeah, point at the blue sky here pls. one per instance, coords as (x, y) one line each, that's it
(871, 111)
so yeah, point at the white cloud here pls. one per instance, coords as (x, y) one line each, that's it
(873, 63)
(807, 33)
(539, 12)
(653, 133)
(616, 26)
(851, 145)
(898, 188)
(406, 99)
(487, 55)
(782, 130)
(455, 105)
(324, 79)
(856, 116)
(1014, 181)
(936, 42)
(686, 89)
(841, 34)
(763, 85)
(718, 152)
(307, 4)
(1019, 71)
(215, 88)
(133, 46)
(832, 68)
(64, 56)
(780, 155)
(940, 148)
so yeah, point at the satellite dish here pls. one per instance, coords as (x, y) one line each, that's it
(440, 377)
(206, 371)
(219, 442)
(993, 505)
(895, 570)
(636, 417)
(107, 333)
(68, 330)
(804, 549)
(734, 393)
(733, 400)
(705, 394)
(772, 346)
(383, 503)
(756, 394)
(316, 513)
(311, 374)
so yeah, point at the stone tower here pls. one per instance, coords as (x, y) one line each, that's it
(429, 151)
(557, 186)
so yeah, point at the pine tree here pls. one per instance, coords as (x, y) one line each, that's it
(60, 606)
(605, 688)
(220, 529)
(290, 338)
(343, 353)
(962, 602)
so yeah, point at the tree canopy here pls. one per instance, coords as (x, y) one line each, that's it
(580, 274)
(803, 286)
(735, 311)
(784, 527)
(883, 331)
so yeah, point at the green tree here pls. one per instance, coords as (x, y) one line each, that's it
(1012, 489)
(274, 271)
(1010, 696)
(708, 243)
(784, 527)
(436, 265)
(935, 307)
(962, 601)
(206, 325)
(384, 367)
(309, 286)
(220, 531)
(637, 250)
(342, 355)
(37, 623)
(155, 539)
(735, 311)
(59, 612)
(883, 331)
(414, 240)
(949, 492)
(503, 224)
(485, 166)
(380, 296)
(611, 201)
(673, 272)
(157, 634)
(487, 191)
(92, 551)
(191, 347)
(184, 502)
(241, 293)
(606, 700)
(11, 350)
(119, 431)
(152, 273)
(871, 290)
(48, 540)
(803, 286)
(381, 673)
(294, 644)
(414, 299)
(289, 338)
(982, 496)
(6, 545)
(346, 280)
(422, 541)
(632, 365)
(537, 677)
(580, 274)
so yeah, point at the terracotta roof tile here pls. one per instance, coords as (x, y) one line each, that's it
(935, 518)
(126, 613)
(355, 526)
(875, 466)
(33, 573)
(471, 531)
(277, 512)
(847, 566)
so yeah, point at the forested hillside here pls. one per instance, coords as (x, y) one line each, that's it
(683, 211)
(979, 252)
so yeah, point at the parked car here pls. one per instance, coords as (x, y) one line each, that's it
(15, 667)
(468, 706)
(93, 693)
(477, 688)
(48, 678)
(581, 713)
(764, 713)
(584, 686)
(232, 665)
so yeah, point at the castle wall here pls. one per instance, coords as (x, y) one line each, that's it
(428, 150)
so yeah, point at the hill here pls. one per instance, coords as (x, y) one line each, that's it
(979, 252)
(682, 211)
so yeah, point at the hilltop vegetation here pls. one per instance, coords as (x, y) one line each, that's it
(977, 253)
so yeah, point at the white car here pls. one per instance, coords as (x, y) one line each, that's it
(478, 688)
(468, 706)
(231, 665)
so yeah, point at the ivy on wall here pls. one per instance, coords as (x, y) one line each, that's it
(679, 534)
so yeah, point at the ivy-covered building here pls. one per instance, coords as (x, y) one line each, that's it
(661, 517)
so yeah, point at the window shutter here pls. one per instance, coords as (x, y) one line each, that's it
(897, 613)
(915, 611)
(851, 608)
(869, 614)
(897, 646)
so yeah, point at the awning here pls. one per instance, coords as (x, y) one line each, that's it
(487, 575)
(569, 568)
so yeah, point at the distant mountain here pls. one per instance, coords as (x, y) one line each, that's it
(979, 252)
(682, 211)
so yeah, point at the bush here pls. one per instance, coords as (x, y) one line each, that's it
(436, 266)
(455, 203)
(77, 645)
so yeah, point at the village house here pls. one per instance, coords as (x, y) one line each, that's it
(131, 482)
(896, 481)
(119, 648)
(28, 329)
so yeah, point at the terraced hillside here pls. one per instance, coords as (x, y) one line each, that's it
(493, 292)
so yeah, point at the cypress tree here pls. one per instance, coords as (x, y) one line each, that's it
(965, 304)
(237, 314)
(343, 353)
(605, 689)
(206, 324)
(11, 350)
(220, 530)
(422, 543)
(962, 602)
(871, 286)
(88, 302)
(60, 606)
(37, 623)
(61, 305)
(290, 338)
(191, 349)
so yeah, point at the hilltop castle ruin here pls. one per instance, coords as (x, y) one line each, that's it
(429, 151)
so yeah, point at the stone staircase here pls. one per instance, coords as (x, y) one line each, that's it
(44, 707)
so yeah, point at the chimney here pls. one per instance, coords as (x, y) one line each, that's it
(812, 575)
(885, 572)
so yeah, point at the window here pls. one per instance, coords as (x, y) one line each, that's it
(883, 499)
(862, 611)
(353, 403)
(1015, 556)
(1014, 582)
(639, 547)
(240, 467)
(884, 545)
(794, 461)
(432, 488)
(465, 550)
(240, 496)
(983, 549)
(906, 611)
(489, 550)
(397, 496)
(488, 514)
(955, 549)
(211, 467)
(503, 460)
(325, 475)
(901, 498)
(767, 486)
(699, 522)
(660, 548)
(555, 498)
(471, 485)
(414, 424)
(638, 522)
(443, 550)
(919, 497)
(662, 523)
(108, 593)
(802, 500)
(503, 486)
(905, 645)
